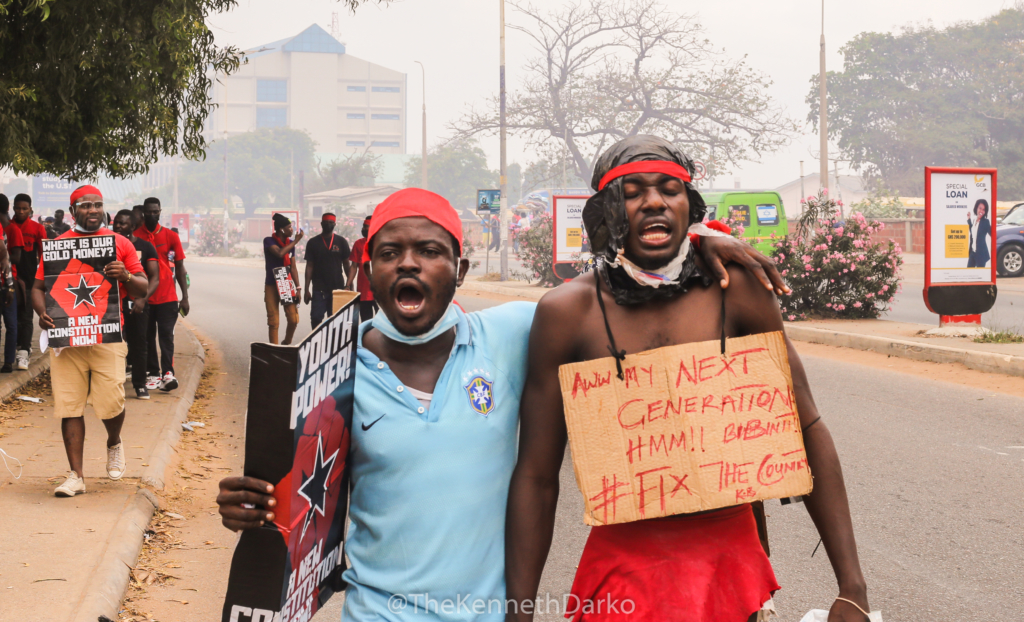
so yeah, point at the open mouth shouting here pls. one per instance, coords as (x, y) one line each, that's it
(655, 234)
(410, 296)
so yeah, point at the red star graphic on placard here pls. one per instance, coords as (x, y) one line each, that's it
(81, 291)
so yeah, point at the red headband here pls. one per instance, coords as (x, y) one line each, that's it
(644, 166)
(84, 190)
(330, 217)
(417, 202)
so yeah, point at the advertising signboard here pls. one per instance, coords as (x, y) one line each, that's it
(570, 243)
(488, 202)
(960, 240)
(181, 223)
(51, 192)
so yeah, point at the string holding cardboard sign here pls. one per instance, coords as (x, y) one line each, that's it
(687, 429)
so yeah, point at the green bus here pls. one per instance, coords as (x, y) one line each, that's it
(760, 212)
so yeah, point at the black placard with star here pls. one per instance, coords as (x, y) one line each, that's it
(297, 435)
(83, 303)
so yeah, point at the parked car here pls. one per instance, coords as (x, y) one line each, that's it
(1010, 242)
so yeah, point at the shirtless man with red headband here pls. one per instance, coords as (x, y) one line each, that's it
(651, 290)
(433, 428)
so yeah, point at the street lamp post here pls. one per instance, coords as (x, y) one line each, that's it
(503, 227)
(424, 162)
(823, 107)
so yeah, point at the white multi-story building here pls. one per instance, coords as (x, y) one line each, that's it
(308, 82)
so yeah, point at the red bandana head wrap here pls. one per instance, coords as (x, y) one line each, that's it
(417, 202)
(644, 166)
(329, 216)
(81, 191)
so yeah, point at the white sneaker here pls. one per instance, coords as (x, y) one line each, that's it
(152, 383)
(169, 382)
(21, 360)
(72, 486)
(115, 461)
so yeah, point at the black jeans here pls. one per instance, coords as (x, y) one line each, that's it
(320, 306)
(135, 327)
(162, 318)
(25, 314)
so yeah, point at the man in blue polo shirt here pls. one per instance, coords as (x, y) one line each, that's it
(434, 429)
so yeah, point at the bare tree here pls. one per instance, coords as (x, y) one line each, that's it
(608, 69)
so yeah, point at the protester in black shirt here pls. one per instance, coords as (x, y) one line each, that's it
(326, 265)
(136, 311)
(59, 226)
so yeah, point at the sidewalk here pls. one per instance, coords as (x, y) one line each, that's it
(892, 338)
(67, 560)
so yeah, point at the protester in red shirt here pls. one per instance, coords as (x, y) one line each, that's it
(367, 305)
(163, 304)
(14, 244)
(32, 232)
(91, 373)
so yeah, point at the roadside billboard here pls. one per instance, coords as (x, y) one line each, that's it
(960, 240)
(181, 222)
(570, 244)
(51, 192)
(488, 202)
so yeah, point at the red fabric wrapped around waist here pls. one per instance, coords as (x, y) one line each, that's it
(695, 568)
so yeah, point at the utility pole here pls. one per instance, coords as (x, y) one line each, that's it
(424, 158)
(176, 207)
(227, 195)
(823, 106)
(503, 227)
(803, 194)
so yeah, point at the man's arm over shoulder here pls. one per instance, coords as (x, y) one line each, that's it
(754, 310)
(533, 492)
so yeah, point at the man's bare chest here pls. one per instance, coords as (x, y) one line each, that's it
(692, 317)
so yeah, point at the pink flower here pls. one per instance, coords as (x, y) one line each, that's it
(829, 238)
(885, 288)
(792, 317)
(839, 231)
(807, 267)
(806, 258)
(829, 305)
(841, 307)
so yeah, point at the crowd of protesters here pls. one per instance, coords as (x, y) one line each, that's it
(149, 269)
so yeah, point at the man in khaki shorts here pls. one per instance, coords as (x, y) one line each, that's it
(95, 373)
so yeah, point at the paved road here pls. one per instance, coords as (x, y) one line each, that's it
(1007, 314)
(935, 475)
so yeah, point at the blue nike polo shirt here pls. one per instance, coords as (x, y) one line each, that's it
(426, 539)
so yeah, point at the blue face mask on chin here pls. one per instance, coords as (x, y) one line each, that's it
(447, 321)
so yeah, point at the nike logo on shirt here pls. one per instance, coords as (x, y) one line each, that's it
(367, 427)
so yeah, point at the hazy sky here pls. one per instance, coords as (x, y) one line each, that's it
(457, 41)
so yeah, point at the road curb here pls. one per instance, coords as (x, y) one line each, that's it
(161, 457)
(990, 362)
(36, 367)
(106, 587)
(526, 293)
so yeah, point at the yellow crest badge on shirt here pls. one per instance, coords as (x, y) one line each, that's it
(481, 395)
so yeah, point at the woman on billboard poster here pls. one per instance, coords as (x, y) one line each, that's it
(981, 230)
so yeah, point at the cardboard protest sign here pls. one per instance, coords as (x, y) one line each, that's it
(84, 304)
(297, 433)
(285, 285)
(687, 429)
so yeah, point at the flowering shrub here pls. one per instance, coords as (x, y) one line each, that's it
(536, 254)
(834, 268)
(210, 238)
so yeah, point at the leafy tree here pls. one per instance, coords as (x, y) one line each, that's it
(456, 171)
(608, 69)
(952, 97)
(105, 85)
(259, 170)
(357, 169)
